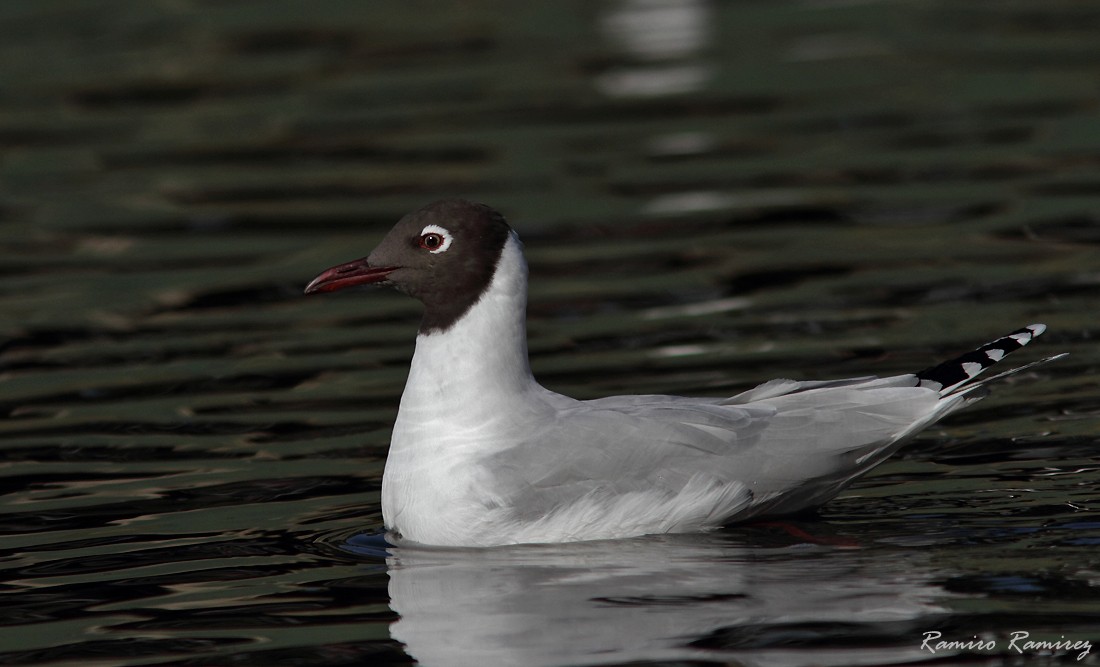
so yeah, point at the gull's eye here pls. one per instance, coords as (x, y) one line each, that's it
(431, 241)
(435, 239)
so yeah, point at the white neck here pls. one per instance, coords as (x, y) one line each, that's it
(470, 391)
(483, 355)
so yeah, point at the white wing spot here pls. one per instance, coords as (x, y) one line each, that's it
(443, 233)
(972, 368)
(995, 354)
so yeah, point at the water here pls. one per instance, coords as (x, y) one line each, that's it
(712, 195)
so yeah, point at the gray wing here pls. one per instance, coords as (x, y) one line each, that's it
(783, 387)
(802, 440)
(659, 445)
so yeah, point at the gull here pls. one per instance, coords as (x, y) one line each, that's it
(482, 455)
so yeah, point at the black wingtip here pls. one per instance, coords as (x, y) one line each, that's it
(950, 375)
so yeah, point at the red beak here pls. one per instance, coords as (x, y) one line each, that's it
(353, 273)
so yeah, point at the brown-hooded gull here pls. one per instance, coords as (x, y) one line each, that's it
(482, 454)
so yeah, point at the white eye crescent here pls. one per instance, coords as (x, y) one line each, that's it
(435, 239)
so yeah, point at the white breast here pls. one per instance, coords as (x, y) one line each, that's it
(469, 389)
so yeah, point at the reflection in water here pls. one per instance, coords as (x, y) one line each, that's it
(681, 144)
(668, 597)
(660, 29)
(665, 38)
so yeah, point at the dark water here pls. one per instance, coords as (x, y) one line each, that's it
(712, 194)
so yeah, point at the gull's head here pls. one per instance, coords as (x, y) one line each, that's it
(444, 254)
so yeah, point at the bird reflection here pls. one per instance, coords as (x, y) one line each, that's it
(671, 597)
